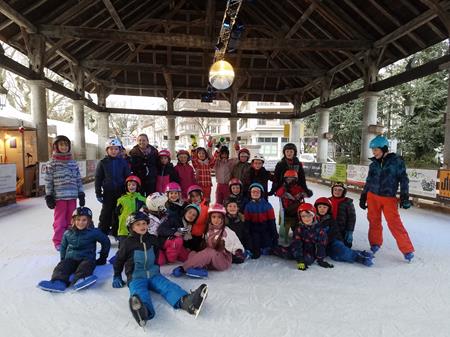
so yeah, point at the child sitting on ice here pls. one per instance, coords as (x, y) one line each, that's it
(165, 171)
(221, 244)
(175, 204)
(260, 218)
(309, 241)
(195, 196)
(172, 234)
(185, 171)
(343, 212)
(78, 250)
(138, 254)
(235, 221)
(336, 248)
(128, 203)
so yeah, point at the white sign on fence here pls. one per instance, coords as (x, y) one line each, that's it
(357, 174)
(42, 172)
(82, 167)
(328, 170)
(422, 182)
(7, 178)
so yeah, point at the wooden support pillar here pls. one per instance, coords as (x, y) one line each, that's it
(294, 135)
(447, 130)
(78, 115)
(233, 122)
(324, 121)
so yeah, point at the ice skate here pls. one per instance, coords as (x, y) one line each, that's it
(55, 286)
(193, 302)
(139, 310)
(409, 257)
(197, 272)
(84, 282)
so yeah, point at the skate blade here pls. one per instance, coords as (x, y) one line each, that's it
(51, 290)
(204, 294)
(85, 285)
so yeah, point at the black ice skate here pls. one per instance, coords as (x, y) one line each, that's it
(193, 302)
(139, 310)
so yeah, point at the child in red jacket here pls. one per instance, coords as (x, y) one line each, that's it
(195, 196)
(203, 163)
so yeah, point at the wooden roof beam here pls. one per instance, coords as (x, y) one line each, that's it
(436, 7)
(196, 41)
(15, 16)
(112, 11)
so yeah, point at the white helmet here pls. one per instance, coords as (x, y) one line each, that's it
(258, 156)
(156, 202)
(113, 142)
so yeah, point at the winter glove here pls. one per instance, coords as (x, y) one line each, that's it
(248, 254)
(100, 199)
(363, 201)
(238, 256)
(50, 200)
(302, 266)
(100, 261)
(324, 264)
(117, 282)
(81, 197)
(309, 193)
(348, 238)
(404, 201)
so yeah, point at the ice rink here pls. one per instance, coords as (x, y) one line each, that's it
(265, 297)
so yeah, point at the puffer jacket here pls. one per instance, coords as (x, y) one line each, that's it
(81, 244)
(144, 166)
(62, 179)
(127, 204)
(282, 166)
(385, 175)
(110, 175)
(138, 255)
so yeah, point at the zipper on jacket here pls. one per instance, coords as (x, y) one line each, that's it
(145, 257)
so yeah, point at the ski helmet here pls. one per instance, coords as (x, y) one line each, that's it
(323, 201)
(290, 146)
(194, 206)
(173, 187)
(113, 142)
(164, 153)
(290, 174)
(258, 156)
(156, 202)
(257, 185)
(235, 181)
(179, 153)
(379, 142)
(133, 178)
(82, 211)
(306, 207)
(338, 184)
(198, 149)
(217, 208)
(193, 188)
(135, 217)
(243, 151)
(58, 139)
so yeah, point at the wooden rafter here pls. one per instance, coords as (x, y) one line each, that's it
(112, 11)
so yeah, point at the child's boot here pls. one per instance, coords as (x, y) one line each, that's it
(364, 259)
(193, 302)
(409, 256)
(56, 286)
(374, 248)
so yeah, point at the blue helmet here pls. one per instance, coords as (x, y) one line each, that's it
(379, 142)
(257, 185)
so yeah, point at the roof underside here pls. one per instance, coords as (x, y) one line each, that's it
(287, 47)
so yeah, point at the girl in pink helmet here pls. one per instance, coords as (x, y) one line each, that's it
(165, 171)
(221, 243)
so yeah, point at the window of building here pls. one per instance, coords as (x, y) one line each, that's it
(267, 140)
(269, 150)
(284, 139)
(261, 122)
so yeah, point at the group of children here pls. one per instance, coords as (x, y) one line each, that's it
(177, 222)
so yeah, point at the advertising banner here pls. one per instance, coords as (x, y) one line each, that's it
(7, 178)
(444, 184)
(357, 174)
(422, 182)
(334, 172)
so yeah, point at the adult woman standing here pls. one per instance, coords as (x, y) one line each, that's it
(143, 160)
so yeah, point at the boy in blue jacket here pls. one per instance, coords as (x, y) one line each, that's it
(78, 250)
(110, 178)
(138, 254)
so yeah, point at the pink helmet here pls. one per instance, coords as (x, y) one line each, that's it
(164, 153)
(217, 208)
(193, 188)
(173, 187)
(243, 150)
(183, 152)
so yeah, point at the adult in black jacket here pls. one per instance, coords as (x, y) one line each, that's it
(143, 160)
(289, 161)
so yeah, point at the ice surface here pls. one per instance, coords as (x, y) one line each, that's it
(267, 297)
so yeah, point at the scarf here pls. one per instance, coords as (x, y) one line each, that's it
(335, 202)
(62, 156)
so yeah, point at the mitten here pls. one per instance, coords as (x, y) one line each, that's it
(404, 201)
(302, 266)
(348, 238)
(50, 200)
(309, 193)
(324, 264)
(81, 197)
(363, 201)
(117, 282)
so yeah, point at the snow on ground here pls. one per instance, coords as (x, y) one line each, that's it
(266, 297)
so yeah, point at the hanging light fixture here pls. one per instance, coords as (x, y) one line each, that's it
(221, 75)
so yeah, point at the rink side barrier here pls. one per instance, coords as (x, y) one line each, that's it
(427, 188)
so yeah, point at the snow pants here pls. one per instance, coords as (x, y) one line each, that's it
(208, 258)
(222, 193)
(262, 236)
(338, 251)
(62, 218)
(67, 267)
(171, 291)
(388, 206)
(173, 250)
(108, 217)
